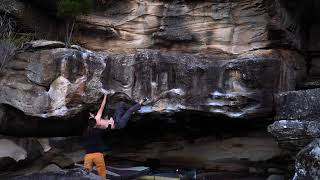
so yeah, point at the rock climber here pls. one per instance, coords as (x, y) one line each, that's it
(97, 126)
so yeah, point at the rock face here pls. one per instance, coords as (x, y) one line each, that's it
(307, 163)
(235, 26)
(52, 82)
(294, 134)
(298, 105)
(14, 150)
(62, 82)
(298, 118)
(217, 46)
(226, 57)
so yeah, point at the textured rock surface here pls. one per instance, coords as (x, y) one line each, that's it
(67, 175)
(16, 150)
(295, 134)
(52, 82)
(236, 78)
(235, 26)
(12, 150)
(62, 82)
(307, 163)
(209, 56)
(298, 118)
(301, 105)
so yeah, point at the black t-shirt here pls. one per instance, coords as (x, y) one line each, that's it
(94, 142)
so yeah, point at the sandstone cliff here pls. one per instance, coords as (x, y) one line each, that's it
(245, 60)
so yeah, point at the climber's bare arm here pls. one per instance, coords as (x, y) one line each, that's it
(100, 111)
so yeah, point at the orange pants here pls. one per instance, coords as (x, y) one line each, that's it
(97, 159)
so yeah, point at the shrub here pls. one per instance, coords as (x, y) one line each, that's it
(6, 26)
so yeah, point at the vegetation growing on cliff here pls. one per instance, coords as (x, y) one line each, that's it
(69, 9)
(11, 33)
(6, 46)
(6, 52)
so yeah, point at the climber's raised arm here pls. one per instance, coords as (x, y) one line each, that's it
(100, 111)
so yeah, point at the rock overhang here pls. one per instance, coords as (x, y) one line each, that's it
(62, 82)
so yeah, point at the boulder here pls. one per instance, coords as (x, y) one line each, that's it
(20, 148)
(15, 150)
(294, 134)
(12, 150)
(62, 82)
(52, 82)
(297, 113)
(307, 162)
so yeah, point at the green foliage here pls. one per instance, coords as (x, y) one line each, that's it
(19, 39)
(72, 8)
